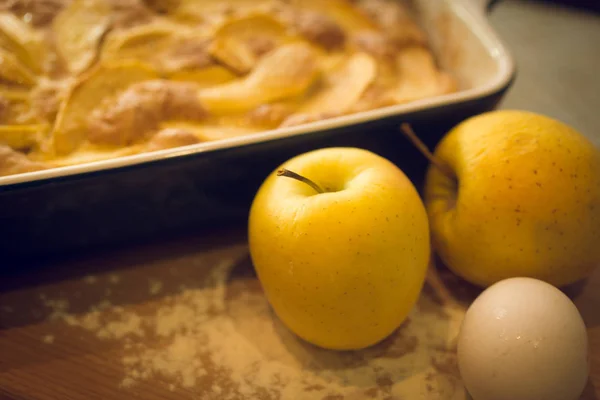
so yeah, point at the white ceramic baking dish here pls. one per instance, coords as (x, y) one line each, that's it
(170, 190)
(463, 41)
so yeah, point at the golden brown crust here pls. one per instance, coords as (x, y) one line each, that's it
(162, 73)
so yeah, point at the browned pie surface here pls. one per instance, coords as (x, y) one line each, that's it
(89, 80)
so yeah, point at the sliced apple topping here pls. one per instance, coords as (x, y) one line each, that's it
(419, 76)
(344, 86)
(138, 42)
(13, 71)
(240, 42)
(167, 46)
(46, 97)
(85, 80)
(22, 40)
(212, 75)
(14, 106)
(87, 93)
(285, 72)
(78, 30)
(145, 42)
(22, 137)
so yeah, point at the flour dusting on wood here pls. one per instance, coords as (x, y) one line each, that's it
(220, 339)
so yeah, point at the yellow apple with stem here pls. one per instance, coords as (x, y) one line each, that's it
(339, 239)
(514, 193)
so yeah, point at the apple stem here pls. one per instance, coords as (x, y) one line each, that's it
(418, 143)
(290, 174)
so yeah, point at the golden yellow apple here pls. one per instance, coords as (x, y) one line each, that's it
(340, 244)
(522, 199)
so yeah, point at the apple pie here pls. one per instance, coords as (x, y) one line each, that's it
(88, 80)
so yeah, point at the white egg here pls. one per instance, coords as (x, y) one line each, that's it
(523, 339)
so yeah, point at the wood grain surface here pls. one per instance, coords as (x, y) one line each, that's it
(556, 52)
(82, 364)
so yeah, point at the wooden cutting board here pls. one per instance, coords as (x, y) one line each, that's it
(88, 329)
(188, 320)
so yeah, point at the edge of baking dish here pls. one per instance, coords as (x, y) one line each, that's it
(471, 12)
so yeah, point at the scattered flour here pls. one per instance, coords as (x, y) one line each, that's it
(127, 382)
(223, 342)
(48, 339)
(155, 286)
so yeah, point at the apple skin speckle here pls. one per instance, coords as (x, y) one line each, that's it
(506, 161)
(360, 239)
